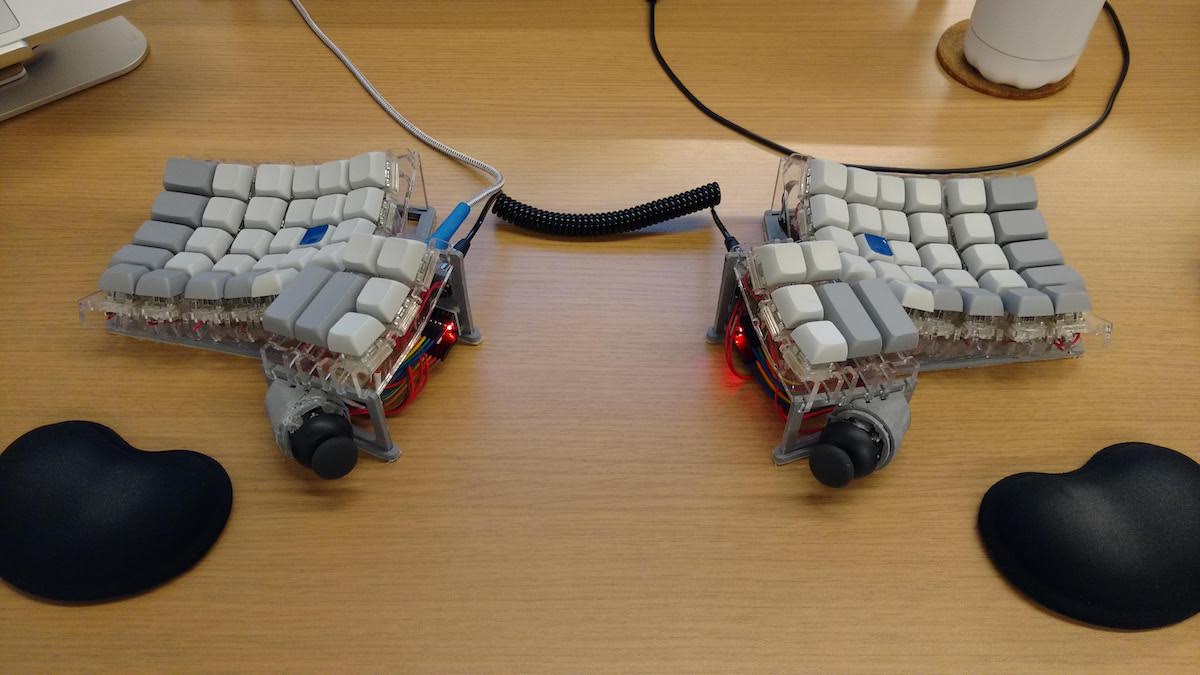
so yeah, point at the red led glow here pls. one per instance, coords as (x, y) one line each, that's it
(450, 333)
(739, 339)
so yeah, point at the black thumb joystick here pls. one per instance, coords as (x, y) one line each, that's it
(325, 443)
(312, 428)
(845, 451)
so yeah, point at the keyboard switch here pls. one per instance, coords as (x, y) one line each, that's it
(233, 180)
(865, 219)
(983, 258)
(273, 180)
(895, 225)
(828, 211)
(179, 207)
(964, 195)
(840, 238)
(1011, 193)
(369, 169)
(189, 175)
(891, 193)
(972, 228)
(922, 195)
(820, 342)
(169, 236)
(893, 323)
(843, 309)
(210, 241)
(856, 268)
(797, 304)
(826, 177)
(862, 186)
(299, 213)
(354, 333)
(938, 257)
(364, 203)
(265, 213)
(254, 243)
(382, 299)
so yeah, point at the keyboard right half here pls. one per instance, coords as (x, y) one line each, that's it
(968, 257)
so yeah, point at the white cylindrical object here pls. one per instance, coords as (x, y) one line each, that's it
(1029, 43)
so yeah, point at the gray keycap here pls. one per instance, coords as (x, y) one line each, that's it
(1054, 275)
(1026, 302)
(981, 302)
(162, 283)
(158, 234)
(207, 286)
(1037, 253)
(280, 318)
(890, 319)
(179, 207)
(238, 286)
(146, 256)
(1019, 226)
(189, 175)
(843, 308)
(945, 298)
(121, 278)
(1068, 299)
(337, 297)
(1010, 193)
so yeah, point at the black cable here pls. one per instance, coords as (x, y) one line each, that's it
(730, 241)
(784, 150)
(463, 245)
(609, 222)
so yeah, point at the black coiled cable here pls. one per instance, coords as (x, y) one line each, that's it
(609, 222)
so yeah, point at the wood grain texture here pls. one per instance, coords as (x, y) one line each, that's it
(589, 490)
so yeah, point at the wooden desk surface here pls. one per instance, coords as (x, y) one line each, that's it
(589, 490)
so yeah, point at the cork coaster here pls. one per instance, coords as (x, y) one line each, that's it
(950, 56)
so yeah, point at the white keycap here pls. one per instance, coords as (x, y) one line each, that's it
(286, 240)
(330, 257)
(957, 278)
(781, 264)
(400, 259)
(233, 180)
(354, 333)
(382, 298)
(983, 258)
(234, 263)
(369, 170)
(265, 213)
(271, 282)
(827, 211)
(269, 262)
(826, 177)
(362, 253)
(796, 304)
(190, 262)
(841, 238)
(865, 219)
(318, 236)
(299, 213)
(334, 177)
(922, 195)
(253, 243)
(887, 270)
(891, 193)
(821, 259)
(938, 257)
(912, 296)
(928, 228)
(820, 342)
(225, 213)
(998, 280)
(919, 274)
(298, 259)
(895, 225)
(972, 228)
(211, 241)
(364, 203)
(329, 209)
(872, 253)
(856, 268)
(905, 253)
(304, 182)
(964, 195)
(273, 180)
(862, 186)
(348, 228)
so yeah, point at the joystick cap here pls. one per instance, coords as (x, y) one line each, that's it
(830, 465)
(335, 458)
